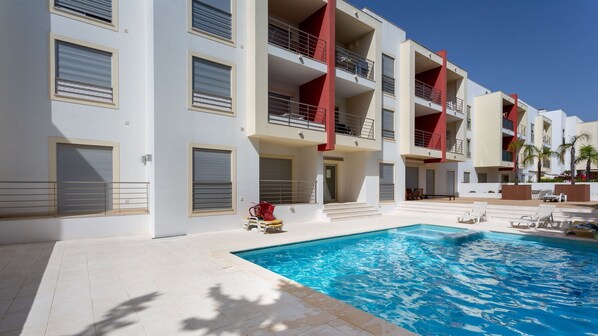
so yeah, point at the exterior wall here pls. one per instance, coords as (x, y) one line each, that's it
(590, 128)
(488, 126)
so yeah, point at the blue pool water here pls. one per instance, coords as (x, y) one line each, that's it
(437, 280)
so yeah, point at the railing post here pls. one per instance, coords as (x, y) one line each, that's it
(105, 195)
(55, 198)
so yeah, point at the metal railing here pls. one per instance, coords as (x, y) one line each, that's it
(73, 89)
(507, 124)
(20, 199)
(288, 191)
(521, 130)
(426, 139)
(454, 146)
(387, 191)
(353, 63)
(507, 155)
(290, 38)
(455, 104)
(291, 113)
(388, 84)
(546, 140)
(427, 92)
(212, 195)
(212, 101)
(354, 125)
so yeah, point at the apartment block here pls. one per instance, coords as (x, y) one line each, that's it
(164, 118)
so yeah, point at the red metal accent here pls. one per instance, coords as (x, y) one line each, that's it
(442, 77)
(329, 34)
(514, 118)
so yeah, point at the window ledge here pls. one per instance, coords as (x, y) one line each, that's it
(66, 99)
(215, 38)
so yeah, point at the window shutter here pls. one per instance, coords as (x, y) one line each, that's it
(388, 66)
(387, 187)
(212, 182)
(211, 84)
(98, 9)
(275, 180)
(83, 65)
(388, 124)
(213, 17)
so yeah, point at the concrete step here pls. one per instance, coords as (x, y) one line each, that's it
(349, 211)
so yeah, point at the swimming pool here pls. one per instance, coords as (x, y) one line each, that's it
(447, 281)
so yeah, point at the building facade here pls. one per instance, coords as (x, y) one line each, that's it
(165, 118)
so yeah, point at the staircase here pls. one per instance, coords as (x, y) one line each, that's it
(494, 212)
(350, 210)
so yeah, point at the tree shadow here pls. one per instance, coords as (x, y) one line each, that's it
(116, 318)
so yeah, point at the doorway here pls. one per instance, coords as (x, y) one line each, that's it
(450, 182)
(430, 181)
(330, 183)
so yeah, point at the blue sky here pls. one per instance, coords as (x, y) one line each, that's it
(544, 50)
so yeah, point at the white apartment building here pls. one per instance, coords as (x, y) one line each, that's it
(164, 118)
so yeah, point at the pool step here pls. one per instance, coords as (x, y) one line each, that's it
(494, 212)
(350, 210)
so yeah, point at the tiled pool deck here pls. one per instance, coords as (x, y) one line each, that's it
(187, 285)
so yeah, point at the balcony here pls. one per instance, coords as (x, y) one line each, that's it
(294, 40)
(353, 63)
(507, 124)
(388, 84)
(427, 139)
(507, 155)
(455, 104)
(288, 191)
(22, 199)
(427, 92)
(354, 125)
(521, 131)
(294, 114)
(546, 141)
(454, 146)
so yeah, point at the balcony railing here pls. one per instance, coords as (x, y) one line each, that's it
(507, 156)
(427, 92)
(426, 139)
(455, 104)
(507, 124)
(20, 199)
(290, 38)
(546, 140)
(354, 125)
(522, 131)
(387, 191)
(288, 191)
(454, 146)
(353, 63)
(212, 101)
(73, 89)
(388, 84)
(291, 113)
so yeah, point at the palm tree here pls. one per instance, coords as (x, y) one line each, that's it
(531, 153)
(570, 146)
(515, 147)
(589, 154)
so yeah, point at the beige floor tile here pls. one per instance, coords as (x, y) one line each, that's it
(324, 330)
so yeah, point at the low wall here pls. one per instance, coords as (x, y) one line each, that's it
(482, 190)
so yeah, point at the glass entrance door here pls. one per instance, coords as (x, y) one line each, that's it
(330, 183)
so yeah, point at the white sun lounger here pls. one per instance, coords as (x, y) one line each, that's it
(476, 215)
(542, 218)
(555, 198)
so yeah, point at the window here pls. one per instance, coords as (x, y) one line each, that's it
(468, 148)
(466, 177)
(468, 117)
(388, 124)
(83, 73)
(212, 187)
(388, 74)
(563, 138)
(532, 132)
(212, 17)
(505, 178)
(387, 182)
(482, 178)
(95, 11)
(211, 85)
(276, 180)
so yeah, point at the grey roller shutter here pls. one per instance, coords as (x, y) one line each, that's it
(275, 180)
(83, 64)
(388, 66)
(213, 17)
(388, 127)
(84, 176)
(387, 187)
(211, 84)
(97, 9)
(212, 181)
